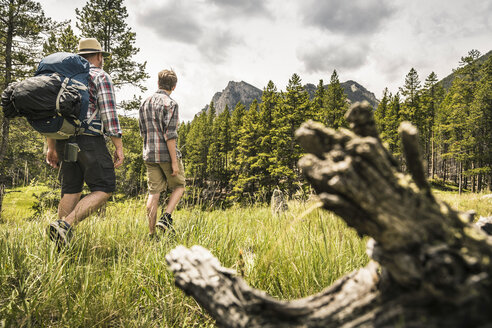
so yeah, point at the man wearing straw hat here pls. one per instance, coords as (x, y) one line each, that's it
(94, 164)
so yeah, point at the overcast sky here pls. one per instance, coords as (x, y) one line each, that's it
(376, 43)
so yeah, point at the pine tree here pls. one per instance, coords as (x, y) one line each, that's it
(480, 119)
(336, 103)
(214, 147)
(246, 185)
(410, 110)
(105, 20)
(183, 131)
(381, 113)
(269, 101)
(22, 25)
(224, 142)
(237, 118)
(318, 104)
(197, 150)
(289, 114)
(131, 176)
(63, 39)
(457, 126)
(432, 97)
(394, 118)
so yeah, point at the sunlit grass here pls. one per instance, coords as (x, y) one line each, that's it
(467, 201)
(113, 275)
(18, 202)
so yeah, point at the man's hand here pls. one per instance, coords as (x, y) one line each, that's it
(51, 154)
(118, 157)
(52, 158)
(118, 153)
(175, 167)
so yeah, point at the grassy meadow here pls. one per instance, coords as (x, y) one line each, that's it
(113, 275)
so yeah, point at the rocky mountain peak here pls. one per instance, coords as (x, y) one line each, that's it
(233, 93)
(245, 93)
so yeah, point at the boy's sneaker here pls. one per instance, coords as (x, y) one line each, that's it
(165, 223)
(154, 237)
(60, 232)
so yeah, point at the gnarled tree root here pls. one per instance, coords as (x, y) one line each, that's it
(431, 266)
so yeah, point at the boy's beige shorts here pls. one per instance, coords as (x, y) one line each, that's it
(159, 176)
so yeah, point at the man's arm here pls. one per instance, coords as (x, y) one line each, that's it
(51, 154)
(106, 103)
(171, 146)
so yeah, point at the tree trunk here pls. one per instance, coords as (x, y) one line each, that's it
(4, 140)
(2, 193)
(5, 137)
(444, 170)
(431, 267)
(474, 180)
(433, 157)
(460, 177)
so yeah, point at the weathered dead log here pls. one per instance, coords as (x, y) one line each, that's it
(278, 205)
(431, 265)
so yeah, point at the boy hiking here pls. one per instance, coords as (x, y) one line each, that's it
(158, 122)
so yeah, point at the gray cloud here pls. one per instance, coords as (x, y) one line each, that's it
(174, 21)
(464, 20)
(192, 23)
(216, 43)
(333, 56)
(242, 7)
(355, 17)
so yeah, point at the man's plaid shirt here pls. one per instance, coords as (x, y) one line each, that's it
(158, 122)
(101, 97)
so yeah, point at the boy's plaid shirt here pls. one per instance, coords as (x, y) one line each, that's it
(158, 122)
(100, 84)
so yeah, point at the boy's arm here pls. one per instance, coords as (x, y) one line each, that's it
(171, 146)
(171, 119)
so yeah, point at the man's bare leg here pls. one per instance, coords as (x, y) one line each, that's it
(67, 204)
(86, 206)
(152, 206)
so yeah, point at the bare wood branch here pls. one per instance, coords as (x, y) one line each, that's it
(410, 142)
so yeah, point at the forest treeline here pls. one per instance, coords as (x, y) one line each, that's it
(243, 154)
(246, 154)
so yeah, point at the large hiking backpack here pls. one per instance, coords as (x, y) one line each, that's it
(55, 101)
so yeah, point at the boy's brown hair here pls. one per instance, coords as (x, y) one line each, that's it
(167, 79)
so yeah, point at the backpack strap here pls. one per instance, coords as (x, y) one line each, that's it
(90, 127)
(76, 84)
(80, 86)
(62, 89)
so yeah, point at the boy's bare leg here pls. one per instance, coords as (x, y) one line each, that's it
(174, 199)
(152, 206)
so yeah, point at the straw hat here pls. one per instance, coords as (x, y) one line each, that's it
(90, 46)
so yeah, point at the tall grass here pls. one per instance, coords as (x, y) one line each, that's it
(112, 275)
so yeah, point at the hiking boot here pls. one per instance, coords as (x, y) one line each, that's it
(165, 223)
(60, 232)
